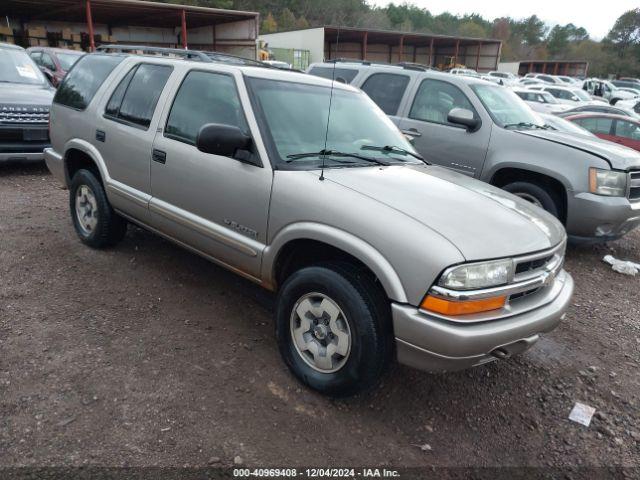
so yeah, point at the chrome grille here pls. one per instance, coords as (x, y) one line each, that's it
(634, 185)
(534, 265)
(23, 114)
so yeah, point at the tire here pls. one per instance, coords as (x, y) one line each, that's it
(362, 312)
(537, 194)
(94, 220)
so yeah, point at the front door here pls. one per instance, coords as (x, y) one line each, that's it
(439, 141)
(217, 205)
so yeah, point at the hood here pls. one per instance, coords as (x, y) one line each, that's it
(618, 156)
(22, 94)
(482, 221)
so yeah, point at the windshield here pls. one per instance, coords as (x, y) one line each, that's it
(581, 94)
(294, 122)
(505, 107)
(17, 67)
(548, 98)
(67, 60)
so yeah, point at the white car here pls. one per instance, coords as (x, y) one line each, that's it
(542, 102)
(504, 78)
(633, 104)
(530, 82)
(545, 78)
(572, 96)
(467, 72)
(570, 81)
(609, 91)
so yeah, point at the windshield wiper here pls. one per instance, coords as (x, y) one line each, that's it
(332, 153)
(525, 125)
(393, 148)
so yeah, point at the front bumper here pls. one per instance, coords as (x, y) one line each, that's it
(432, 343)
(20, 157)
(55, 164)
(599, 218)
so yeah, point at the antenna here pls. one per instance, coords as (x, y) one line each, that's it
(333, 79)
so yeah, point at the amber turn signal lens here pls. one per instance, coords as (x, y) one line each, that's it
(450, 307)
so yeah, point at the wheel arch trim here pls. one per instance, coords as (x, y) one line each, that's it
(337, 238)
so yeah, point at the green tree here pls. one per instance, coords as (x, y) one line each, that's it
(286, 20)
(532, 30)
(625, 34)
(472, 29)
(558, 40)
(269, 24)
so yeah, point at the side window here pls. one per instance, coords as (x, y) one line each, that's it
(596, 125)
(113, 107)
(204, 97)
(37, 57)
(435, 99)
(48, 62)
(345, 74)
(386, 89)
(627, 130)
(139, 95)
(85, 78)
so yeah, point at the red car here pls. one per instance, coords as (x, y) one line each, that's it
(615, 128)
(54, 62)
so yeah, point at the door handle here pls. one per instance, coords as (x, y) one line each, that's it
(412, 132)
(159, 156)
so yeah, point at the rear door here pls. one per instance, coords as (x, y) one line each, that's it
(439, 141)
(124, 135)
(214, 204)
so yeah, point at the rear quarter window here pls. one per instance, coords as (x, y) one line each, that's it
(85, 78)
(387, 90)
(345, 74)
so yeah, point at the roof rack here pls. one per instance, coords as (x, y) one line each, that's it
(349, 60)
(156, 51)
(416, 66)
(194, 55)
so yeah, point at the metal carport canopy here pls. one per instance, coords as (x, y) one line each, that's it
(120, 12)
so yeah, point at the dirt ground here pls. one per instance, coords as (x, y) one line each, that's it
(147, 355)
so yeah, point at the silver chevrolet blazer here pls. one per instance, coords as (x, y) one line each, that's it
(305, 187)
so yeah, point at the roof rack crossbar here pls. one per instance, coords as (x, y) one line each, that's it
(197, 55)
(145, 49)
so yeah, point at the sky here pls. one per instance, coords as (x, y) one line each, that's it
(596, 16)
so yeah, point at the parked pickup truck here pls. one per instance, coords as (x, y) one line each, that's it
(372, 252)
(25, 99)
(489, 133)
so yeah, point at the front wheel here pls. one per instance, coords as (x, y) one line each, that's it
(333, 328)
(536, 194)
(94, 220)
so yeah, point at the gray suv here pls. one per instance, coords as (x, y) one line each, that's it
(373, 253)
(489, 133)
(25, 99)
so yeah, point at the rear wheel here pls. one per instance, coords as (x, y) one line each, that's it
(94, 220)
(333, 328)
(539, 195)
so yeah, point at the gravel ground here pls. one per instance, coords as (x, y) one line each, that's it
(147, 355)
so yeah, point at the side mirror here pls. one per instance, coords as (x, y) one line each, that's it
(224, 140)
(464, 117)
